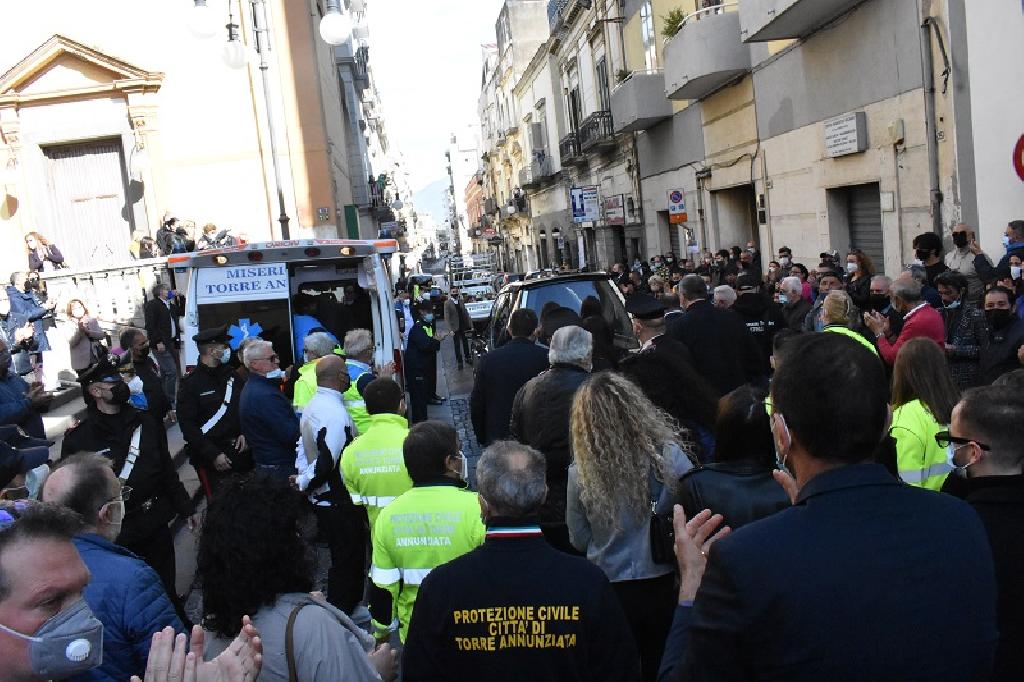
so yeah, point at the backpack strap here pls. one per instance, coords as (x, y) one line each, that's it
(289, 643)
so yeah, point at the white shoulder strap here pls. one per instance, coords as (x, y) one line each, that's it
(133, 454)
(222, 410)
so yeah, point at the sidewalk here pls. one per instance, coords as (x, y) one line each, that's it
(456, 386)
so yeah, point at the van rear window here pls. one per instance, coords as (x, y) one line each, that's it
(268, 319)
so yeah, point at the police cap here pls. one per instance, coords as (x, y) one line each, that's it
(105, 370)
(213, 335)
(644, 307)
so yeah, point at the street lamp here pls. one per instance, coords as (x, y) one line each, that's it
(336, 25)
(202, 22)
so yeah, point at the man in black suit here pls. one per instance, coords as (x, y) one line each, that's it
(501, 374)
(987, 441)
(663, 369)
(723, 351)
(863, 578)
(162, 313)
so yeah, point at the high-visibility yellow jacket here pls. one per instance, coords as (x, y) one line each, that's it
(354, 402)
(373, 464)
(425, 527)
(305, 385)
(846, 331)
(919, 458)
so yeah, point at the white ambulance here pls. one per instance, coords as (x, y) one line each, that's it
(251, 289)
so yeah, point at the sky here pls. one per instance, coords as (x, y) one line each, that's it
(425, 58)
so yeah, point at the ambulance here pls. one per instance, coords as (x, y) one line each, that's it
(251, 288)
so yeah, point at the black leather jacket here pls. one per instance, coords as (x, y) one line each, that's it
(741, 491)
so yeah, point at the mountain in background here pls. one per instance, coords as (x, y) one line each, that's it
(430, 200)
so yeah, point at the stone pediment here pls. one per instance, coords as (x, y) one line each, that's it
(62, 67)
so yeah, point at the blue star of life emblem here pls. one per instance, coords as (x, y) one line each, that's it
(243, 330)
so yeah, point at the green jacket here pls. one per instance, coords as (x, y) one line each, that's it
(305, 385)
(920, 460)
(425, 527)
(846, 331)
(373, 464)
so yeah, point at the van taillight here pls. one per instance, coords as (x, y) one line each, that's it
(398, 362)
(255, 256)
(189, 368)
(312, 252)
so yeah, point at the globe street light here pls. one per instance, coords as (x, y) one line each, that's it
(336, 25)
(202, 22)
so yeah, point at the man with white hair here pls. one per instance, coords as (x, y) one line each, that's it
(794, 306)
(725, 296)
(540, 419)
(315, 346)
(269, 424)
(532, 577)
(359, 364)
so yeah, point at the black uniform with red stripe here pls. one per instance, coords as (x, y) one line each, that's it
(517, 609)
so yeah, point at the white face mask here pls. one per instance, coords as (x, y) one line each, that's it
(34, 480)
(275, 373)
(851, 268)
(1015, 271)
(135, 385)
(780, 457)
(225, 356)
(959, 470)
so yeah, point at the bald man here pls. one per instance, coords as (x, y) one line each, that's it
(124, 593)
(326, 428)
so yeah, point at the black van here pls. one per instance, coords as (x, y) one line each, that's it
(568, 291)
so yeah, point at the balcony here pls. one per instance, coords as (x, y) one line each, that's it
(706, 54)
(501, 139)
(535, 175)
(639, 102)
(569, 150)
(511, 130)
(563, 12)
(596, 132)
(764, 20)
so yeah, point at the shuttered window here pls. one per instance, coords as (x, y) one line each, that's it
(865, 216)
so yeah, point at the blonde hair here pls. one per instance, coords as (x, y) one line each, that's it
(836, 308)
(618, 436)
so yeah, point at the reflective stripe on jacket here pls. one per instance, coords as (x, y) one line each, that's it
(425, 527)
(920, 460)
(354, 402)
(373, 465)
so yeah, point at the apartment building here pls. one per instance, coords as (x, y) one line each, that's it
(805, 123)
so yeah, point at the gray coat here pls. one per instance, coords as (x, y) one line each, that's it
(623, 553)
(328, 645)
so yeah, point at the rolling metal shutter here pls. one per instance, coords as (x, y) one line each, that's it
(865, 213)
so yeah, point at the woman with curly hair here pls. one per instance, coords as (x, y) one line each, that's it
(627, 462)
(42, 255)
(255, 558)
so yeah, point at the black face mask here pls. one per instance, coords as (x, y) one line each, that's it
(120, 393)
(960, 239)
(144, 351)
(923, 254)
(878, 302)
(998, 318)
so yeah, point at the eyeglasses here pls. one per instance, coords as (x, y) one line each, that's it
(126, 492)
(271, 358)
(944, 438)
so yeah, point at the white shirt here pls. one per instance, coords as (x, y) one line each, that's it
(174, 322)
(326, 408)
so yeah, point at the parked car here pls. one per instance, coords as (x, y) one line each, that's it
(568, 291)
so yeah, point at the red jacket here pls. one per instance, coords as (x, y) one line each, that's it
(923, 321)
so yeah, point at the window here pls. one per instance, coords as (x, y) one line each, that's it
(648, 35)
(603, 94)
(574, 109)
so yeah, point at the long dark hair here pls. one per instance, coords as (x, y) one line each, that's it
(921, 373)
(743, 429)
(252, 550)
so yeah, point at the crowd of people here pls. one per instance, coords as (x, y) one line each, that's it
(794, 477)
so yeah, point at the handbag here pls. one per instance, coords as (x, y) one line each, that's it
(662, 533)
(289, 643)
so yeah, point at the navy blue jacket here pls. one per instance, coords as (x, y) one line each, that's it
(723, 351)
(15, 407)
(126, 595)
(864, 578)
(499, 376)
(418, 351)
(268, 421)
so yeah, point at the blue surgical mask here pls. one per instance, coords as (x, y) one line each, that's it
(34, 480)
(1006, 241)
(225, 356)
(428, 317)
(169, 295)
(70, 642)
(959, 470)
(275, 373)
(953, 306)
(783, 299)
